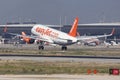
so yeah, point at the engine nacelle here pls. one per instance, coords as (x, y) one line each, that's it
(27, 40)
(31, 41)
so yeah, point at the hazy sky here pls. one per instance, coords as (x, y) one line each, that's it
(50, 11)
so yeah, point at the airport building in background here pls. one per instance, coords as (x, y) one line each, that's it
(83, 29)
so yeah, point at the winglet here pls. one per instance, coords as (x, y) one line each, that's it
(113, 31)
(73, 31)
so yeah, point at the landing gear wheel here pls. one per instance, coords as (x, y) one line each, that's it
(41, 47)
(64, 48)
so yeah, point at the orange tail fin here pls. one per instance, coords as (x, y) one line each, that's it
(73, 31)
(26, 39)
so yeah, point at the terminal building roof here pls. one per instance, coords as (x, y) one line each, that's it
(101, 24)
(31, 25)
(25, 25)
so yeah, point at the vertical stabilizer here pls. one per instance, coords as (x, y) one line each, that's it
(25, 38)
(73, 31)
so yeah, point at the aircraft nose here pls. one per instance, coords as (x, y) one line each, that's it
(32, 30)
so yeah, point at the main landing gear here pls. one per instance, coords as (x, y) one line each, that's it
(41, 46)
(64, 48)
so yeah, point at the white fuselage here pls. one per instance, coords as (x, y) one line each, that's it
(52, 35)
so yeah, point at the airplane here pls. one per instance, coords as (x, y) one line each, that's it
(28, 40)
(47, 34)
(113, 43)
(53, 36)
(107, 44)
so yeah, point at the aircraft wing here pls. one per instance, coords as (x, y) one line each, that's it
(39, 38)
(15, 34)
(82, 38)
(32, 37)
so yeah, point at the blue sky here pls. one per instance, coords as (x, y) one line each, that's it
(50, 11)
